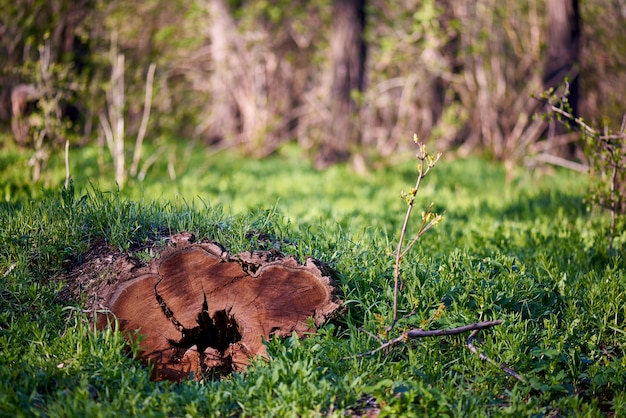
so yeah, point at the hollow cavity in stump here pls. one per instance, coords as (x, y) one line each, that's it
(199, 310)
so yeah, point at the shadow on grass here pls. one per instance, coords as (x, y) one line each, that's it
(545, 204)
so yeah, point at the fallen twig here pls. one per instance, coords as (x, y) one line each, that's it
(484, 357)
(419, 333)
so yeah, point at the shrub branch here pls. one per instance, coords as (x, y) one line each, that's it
(607, 152)
(429, 219)
(426, 162)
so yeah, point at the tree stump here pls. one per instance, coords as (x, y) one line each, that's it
(200, 310)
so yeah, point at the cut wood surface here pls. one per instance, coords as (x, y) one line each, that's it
(199, 310)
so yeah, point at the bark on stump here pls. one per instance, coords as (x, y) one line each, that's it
(199, 310)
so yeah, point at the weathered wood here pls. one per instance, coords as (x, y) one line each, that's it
(199, 310)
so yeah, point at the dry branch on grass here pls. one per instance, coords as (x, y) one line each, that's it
(483, 357)
(420, 333)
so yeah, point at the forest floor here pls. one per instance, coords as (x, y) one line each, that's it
(527, 251)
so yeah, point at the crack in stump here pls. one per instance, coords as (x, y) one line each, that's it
(169, 314)
(213, 334)
(218, 332)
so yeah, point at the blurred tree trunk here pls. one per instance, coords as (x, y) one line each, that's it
(441, 91)
(225, 115)
(348, 49)
(244, 76)
(562, 54)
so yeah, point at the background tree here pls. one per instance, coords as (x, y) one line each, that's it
(603, 61)
(223, 33)
(348, 52)
(563, 55)
(412, 59)
(259, 68)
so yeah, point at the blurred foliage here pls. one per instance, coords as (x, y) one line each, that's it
(458, 71)
(605, 147)
(603, 63)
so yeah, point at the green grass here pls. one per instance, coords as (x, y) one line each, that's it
(528, 252)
